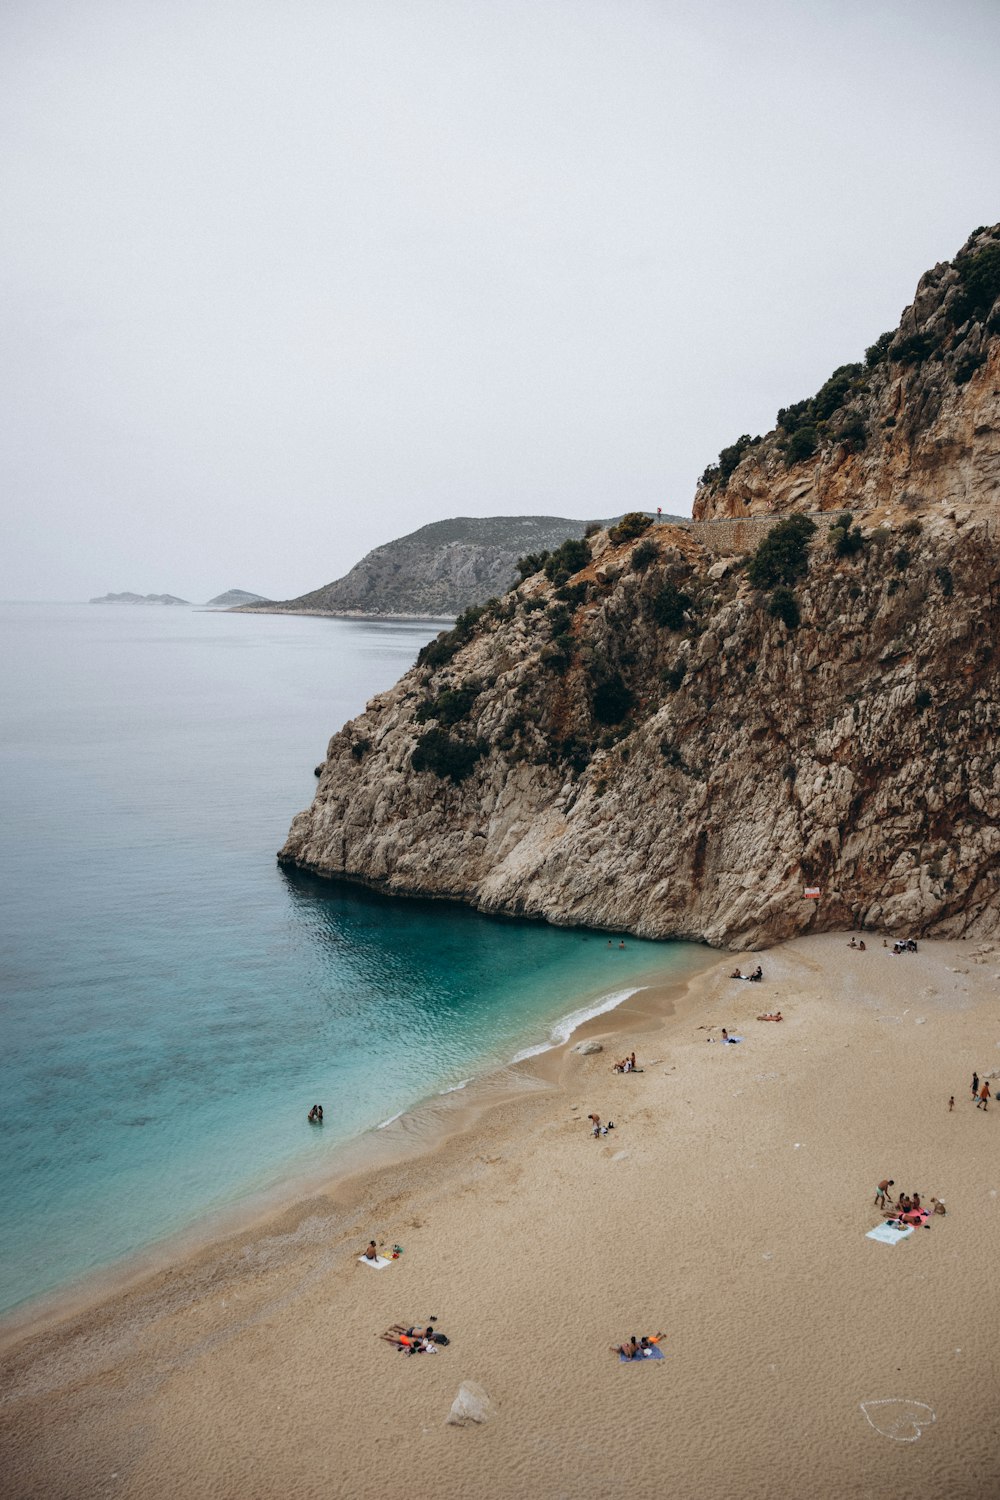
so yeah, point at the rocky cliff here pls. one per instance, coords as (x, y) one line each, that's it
(439, 570)
(659, 739)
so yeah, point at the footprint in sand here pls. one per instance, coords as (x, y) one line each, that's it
(899, 1419)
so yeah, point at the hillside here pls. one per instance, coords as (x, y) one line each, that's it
(658, 738)
(438, 570)
(233, 597)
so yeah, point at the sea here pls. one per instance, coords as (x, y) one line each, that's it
(171, 1002)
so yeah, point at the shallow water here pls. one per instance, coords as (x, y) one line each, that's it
(172, 1002)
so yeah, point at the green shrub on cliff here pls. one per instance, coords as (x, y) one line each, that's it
(439, 651)
(801, 445)
(567, 559)
(846, 539)
(612, 700)
(445, 755)
(667, 606)
(783, 555)
(630, 527)
(643, 555)
(530, 563)
(980, 275)
(785, 607)
(878, 353)
(450, 706)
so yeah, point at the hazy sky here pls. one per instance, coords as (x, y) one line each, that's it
(282, 280)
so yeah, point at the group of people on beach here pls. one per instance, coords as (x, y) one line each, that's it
(980, 1093)
(754, 978)
(415, 1340)
(626, 1065)
(857, 943)
(902, 945)
(635, 1348)
(596, 1128)
(908, 1208)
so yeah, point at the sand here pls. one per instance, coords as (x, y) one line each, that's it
(728, 1208)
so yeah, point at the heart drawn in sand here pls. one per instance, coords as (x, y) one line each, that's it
(899, 1419)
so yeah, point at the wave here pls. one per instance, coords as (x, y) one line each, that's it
(564, 1029)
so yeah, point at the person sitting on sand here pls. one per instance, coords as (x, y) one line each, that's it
(939, 1207)
(371, 1253)
(903, 1204)
(736, 974)
(631, 1064)
(852, 943)
(631, 1350)
(725, 1034)
(915, 1201)
(861, 946)
(757, 975)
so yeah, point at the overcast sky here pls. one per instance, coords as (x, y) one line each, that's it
(284, 279)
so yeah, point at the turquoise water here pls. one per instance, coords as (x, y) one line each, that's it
(171, 1002)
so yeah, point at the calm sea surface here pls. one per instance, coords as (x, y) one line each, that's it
(171, 1003)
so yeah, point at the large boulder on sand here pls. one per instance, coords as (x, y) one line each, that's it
(472, 1404)
(585, 1048)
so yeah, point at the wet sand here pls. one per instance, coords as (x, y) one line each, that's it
(728, 1207)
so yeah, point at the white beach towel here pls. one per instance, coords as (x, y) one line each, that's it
(379, 1264)
(887, 1234)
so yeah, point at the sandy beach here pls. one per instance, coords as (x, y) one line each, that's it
(728, 1208)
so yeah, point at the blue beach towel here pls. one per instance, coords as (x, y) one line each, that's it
(654, 1353)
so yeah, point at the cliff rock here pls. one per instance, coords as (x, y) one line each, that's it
(680, 744)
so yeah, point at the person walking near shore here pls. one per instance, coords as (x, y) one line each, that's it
(882, 1192)
(975, 1085)
(984, 1095)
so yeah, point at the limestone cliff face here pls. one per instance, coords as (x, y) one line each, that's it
(914, 428)
(654, 745)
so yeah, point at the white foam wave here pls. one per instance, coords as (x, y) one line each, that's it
(454, 1088)
(564, 1029)
(391, 1120)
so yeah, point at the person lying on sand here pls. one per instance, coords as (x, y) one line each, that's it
(409, 1344)
(773, 1016)
(637, 1348)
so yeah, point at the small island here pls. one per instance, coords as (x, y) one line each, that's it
(139, 599)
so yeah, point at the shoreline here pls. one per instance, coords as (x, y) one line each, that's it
(729, 1208)
(421, 1127)
(340, 614)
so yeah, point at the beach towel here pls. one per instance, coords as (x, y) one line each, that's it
(888, 1233)
(653, 1353)
(379, 1264)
